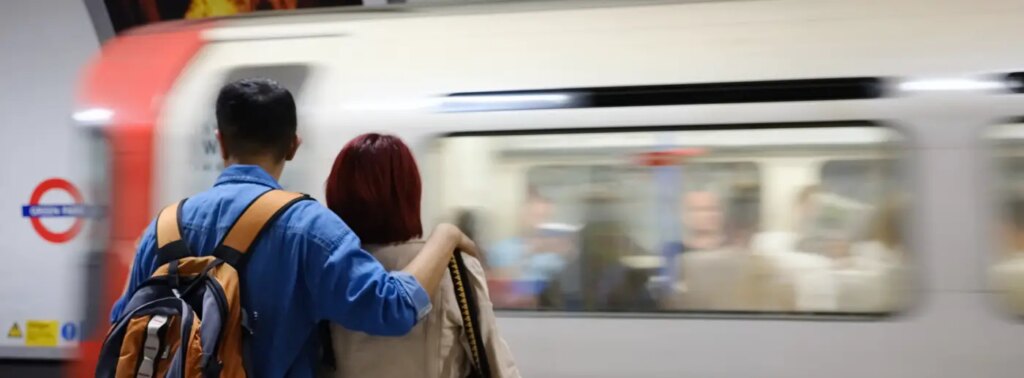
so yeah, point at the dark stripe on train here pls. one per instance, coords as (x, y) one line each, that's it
(1015, 82)
(673, 94)
(662, 128)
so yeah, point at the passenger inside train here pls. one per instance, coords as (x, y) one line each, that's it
(596, 280)
(703, 219)
(702, 227)
(734, 277)
(527, 262)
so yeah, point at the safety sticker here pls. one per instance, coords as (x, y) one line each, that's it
(14, 332)
(35, 210)
(69, 331)
(41, 333)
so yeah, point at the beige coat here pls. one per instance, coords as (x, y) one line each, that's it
(730, 280)
(436, 347)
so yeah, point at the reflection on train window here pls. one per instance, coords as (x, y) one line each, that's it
(777, 220)
(1007, 271)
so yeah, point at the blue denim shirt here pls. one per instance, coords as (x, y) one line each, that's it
(306, 267)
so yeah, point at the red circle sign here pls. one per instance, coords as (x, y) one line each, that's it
(37, 224)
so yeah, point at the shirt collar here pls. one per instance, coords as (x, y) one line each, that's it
(242, 173)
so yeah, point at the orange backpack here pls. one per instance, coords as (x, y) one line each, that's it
(187, 319)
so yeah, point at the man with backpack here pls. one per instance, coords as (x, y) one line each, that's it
(235, 280)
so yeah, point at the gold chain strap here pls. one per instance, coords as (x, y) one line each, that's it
(467, 321)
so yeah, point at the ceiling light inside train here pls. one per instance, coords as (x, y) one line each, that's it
(93, 116)
(951, 84)
(391, 105)
(499, 102)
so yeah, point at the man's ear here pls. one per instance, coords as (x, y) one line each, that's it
(294, 148)
(223, 148)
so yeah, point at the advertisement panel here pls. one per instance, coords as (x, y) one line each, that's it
(125, 14)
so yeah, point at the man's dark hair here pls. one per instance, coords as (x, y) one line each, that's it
(256, 116)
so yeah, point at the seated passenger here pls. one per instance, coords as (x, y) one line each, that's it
(733, 278)
(375, 184)
(701, 218)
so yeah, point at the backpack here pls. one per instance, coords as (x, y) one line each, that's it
(187, 319)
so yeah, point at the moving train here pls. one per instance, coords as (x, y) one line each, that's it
(780, 129)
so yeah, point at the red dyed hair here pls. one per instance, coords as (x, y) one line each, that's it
(375, 188)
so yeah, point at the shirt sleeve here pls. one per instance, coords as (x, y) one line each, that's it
(138, 271)
(350, 287)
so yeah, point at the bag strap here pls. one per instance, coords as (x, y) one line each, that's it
(170, 246)
(469, 310)
(256, 218)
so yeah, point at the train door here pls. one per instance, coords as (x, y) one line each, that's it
(188, 156)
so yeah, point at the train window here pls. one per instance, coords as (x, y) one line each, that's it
(1007, 271)
(771, 219)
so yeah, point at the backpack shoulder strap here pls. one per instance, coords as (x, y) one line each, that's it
(260, 214)
(169, 244)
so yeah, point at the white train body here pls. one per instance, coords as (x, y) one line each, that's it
(940, 65)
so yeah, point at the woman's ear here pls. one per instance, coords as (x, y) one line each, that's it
(294, 148)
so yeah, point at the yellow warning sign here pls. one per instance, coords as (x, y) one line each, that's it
(41, 333)
(14, 332)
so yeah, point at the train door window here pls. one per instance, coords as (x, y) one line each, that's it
(687, 219)
(205, 156)
(1006, 273)
(96, 163)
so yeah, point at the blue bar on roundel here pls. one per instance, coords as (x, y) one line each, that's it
(57, 211)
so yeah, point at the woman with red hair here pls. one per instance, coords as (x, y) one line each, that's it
(375, 188)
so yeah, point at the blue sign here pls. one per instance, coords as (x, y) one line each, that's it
(69, 331)
(54, 211)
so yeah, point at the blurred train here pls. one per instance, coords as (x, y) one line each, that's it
(776, 188)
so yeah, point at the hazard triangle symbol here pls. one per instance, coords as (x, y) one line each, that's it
(14, 332)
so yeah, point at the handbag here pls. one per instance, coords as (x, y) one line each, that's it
(469, 310)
